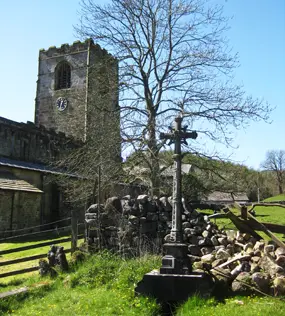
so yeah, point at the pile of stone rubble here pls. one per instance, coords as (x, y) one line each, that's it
(241, 262)
(237, 260)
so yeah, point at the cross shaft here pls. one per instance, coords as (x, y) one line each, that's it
(177, 136)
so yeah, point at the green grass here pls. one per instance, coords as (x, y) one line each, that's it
(25, 253)
(280, 197)
(270, 214)
(264, 214)
(103, 285)
(247, 306)
(223, 223)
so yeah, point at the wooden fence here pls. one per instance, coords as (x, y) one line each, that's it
(73, 228)
(247, 222)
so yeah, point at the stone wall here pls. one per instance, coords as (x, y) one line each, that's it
(55, 205)
(6, 203)
(32, 209)
(26, 210)
(136, 225)
(133, 226)
(22, 210)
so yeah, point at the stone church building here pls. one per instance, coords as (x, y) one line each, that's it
(74, 83)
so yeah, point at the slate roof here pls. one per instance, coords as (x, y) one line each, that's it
(226, 197)
(32, 166)
(169, 171)
(8, 181)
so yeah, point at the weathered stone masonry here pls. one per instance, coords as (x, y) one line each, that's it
(26, 142)
(130, 226)
(27, 150)
(89, 64)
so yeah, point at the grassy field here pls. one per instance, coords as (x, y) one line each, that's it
(104, 285)
(246, 306)
(280, 197)
(264, 214)
(20, 243)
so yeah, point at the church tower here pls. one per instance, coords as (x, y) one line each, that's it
(77, 89)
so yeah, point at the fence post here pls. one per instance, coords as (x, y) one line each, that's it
(74, 230)
(243, 212)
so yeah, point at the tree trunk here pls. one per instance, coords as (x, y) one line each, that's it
(280, 187)
(155, 177)
(280, 182)
(154, 159)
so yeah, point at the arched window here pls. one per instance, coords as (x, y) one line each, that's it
(62, 76)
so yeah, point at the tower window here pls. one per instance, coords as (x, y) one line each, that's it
(62, 76)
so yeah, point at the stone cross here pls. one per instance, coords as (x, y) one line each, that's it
(178, 135)
(175, 280)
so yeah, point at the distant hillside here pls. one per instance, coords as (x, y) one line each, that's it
(279, 197)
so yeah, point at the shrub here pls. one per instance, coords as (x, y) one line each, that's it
(78, 257)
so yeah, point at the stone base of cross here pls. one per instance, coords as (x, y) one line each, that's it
(175, 260)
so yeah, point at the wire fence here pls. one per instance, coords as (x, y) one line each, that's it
(33, 227)
(46, 238)
(48, 231)
(36, 233)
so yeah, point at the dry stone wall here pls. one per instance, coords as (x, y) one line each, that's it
(138, 225)
(129, 226)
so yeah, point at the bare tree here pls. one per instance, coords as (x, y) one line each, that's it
(92, 171)
(173, 59)
(275, 162)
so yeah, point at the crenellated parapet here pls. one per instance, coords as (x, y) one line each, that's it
(76, 47)
(26, 141)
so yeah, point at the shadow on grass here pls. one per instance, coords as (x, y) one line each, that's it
(170, 308)
(15, 302)
(14, 282)
(218, 294)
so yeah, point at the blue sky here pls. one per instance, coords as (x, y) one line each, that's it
(257, 33)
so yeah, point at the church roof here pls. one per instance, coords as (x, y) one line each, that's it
(9, 181)
(226, 197)
(31, 166)
(169, 171)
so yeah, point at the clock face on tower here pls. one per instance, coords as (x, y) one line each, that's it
(61, 104)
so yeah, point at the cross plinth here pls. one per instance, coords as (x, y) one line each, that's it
(175, 260)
